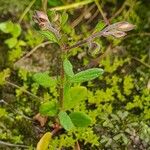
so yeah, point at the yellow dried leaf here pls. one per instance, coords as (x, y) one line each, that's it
(44, 141)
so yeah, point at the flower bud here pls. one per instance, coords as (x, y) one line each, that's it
(125, 26)
(118, 34)
(41, 18)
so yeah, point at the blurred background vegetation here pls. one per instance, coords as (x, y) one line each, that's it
(118, 102)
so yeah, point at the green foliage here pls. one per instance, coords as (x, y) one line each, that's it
(14, 43)
(3, 112)
(49, 108)
(80, 119)
(11, 42)
(44, 79)
(54, 2)
(68, 68)
(3, 75)
(49, 35)
(128, 85)
(111, 112)
(65, 121)
(86, 75)
(100, 25)
(64, 18)
(73, 96)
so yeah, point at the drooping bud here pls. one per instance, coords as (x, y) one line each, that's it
(41, 18)
(125, 26)
(118, 34)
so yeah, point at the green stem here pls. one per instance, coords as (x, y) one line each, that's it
(74, 5)
(61, 85)
(101, 11)
(44, 3)
(143, 63)
(26, 10)
(62, 77)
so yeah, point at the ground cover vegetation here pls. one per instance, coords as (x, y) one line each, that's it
(74, 75)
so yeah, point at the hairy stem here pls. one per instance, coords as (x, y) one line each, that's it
(62, 76)
(80, 43)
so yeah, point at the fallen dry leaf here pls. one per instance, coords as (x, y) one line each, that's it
(42, 120)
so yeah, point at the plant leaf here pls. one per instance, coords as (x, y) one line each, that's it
(74, 96)
(44, 141)
(87, 75)
(65, 121)
(100, 25)
(64, 18)
(54, 2)
(16, 30)
(6, 27)
(11, 42)
(68, 68)
(80, 119)
(49, 108)
(3, 75)
(44, 79)
(49, 35)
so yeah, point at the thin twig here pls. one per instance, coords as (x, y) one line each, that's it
(33, 50)
(143, 63)
(119, 11)
(80, 43)
(26, 10)
(12, 145)
(74, 5)
(77, 146)
(93, 16)
(79, 19)
(14, 110)
(23, 90)
(102, 13)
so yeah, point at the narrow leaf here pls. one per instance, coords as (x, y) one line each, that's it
(80, 119)
(49, 108)
(68, 68)
(49, 35)
(64, 18)
(87, 75)
(44, 142)
(65, 121)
